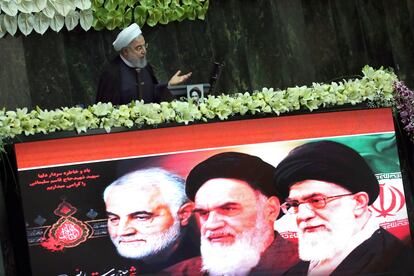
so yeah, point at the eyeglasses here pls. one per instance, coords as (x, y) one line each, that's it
(140, 48)
(314, 202)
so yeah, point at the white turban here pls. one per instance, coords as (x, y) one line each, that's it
(126, 36)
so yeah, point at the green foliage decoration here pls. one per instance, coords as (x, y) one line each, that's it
(27, 16)
(111, 14)
(375, 87)
(40, 15)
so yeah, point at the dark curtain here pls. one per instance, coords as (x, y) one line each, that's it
(262, 43)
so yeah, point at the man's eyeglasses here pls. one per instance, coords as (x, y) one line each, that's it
(314, 202)
(140, 48)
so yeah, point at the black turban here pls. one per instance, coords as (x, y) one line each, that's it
(326, 161)
(251, 169)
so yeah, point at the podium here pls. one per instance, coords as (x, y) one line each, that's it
(194, 92)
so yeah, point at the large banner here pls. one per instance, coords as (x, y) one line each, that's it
(62, 181)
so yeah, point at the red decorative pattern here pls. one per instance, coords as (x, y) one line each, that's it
(65, 209)
(69, 232)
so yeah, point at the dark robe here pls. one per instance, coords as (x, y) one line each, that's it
(381, 254)
(121, 84)
(275, 260)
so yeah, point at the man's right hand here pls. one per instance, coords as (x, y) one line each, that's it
(177, 78)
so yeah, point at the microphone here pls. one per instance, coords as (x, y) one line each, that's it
(215, 75)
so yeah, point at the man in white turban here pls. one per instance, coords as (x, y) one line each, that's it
(129, 76)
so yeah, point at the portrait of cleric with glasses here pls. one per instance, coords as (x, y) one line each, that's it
(328, 188)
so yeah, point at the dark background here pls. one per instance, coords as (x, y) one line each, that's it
(263, 44)
(96, 254)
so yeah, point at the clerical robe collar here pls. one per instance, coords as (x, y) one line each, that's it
(129, 64)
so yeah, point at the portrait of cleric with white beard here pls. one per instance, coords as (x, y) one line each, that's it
(328, 188)
(148, 219)
(236, 205)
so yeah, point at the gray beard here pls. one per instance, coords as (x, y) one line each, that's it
(154, 248)
(140, 62)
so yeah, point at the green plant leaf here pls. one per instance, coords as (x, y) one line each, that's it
(49, 10)
(147, 3)
(178, 13)
(150, 12)
(131, 3)
(202, 10)
(114, 19)
(111, 5)
(86, 19)
(154, 17)
(57, 22)
(101, 13)
(26, 6)
(140, 15)
(98, 24)
(127, 18)
(83, 4)
(10, 8)
(25, 23)
(164, 18)
(97, 4)
(169, 13)
(122, 6)
(164, 3)
(72, 20)
(40, 23)
(10, 23)
(99, 19)
(2, 28)
(40, 4)
(190, 12)
(206, 4)
(63, 7)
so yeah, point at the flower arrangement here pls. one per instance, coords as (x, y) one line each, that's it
(404, 103)
(375, 87)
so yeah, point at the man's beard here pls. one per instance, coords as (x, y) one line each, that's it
(139, 62)
(324, 244)
(241, 256)
(154, 245)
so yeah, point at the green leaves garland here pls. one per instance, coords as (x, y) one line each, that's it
(40, 15)
(111, 14)
(375, 86)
